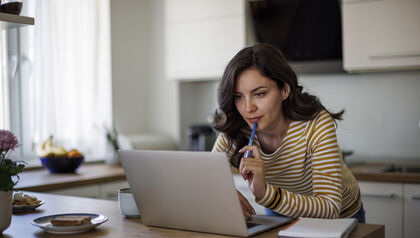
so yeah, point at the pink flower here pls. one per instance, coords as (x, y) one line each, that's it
(8, 141)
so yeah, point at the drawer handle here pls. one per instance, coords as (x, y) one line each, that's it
(378, 195)
(359, 1)
(391, 56)
(415, 197)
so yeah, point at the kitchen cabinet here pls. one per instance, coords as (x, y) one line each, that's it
(88, 191)
(107, 191)
(396, 205)
(411, 210)
(9, 21)
(381, 35)
(383, 203)
(202, 36)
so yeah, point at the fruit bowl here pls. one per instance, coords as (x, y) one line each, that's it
(61, 164)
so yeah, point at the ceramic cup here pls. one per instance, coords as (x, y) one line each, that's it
(127, 204)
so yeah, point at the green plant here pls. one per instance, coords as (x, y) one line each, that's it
(8, 168)
(112, 137)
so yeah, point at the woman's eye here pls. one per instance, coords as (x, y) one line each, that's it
(260, 94)
(236, 97)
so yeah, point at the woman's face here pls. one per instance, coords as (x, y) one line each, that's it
(258, 99)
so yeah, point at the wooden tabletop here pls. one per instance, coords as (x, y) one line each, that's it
(117, 225)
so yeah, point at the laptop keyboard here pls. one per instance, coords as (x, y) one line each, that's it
(250, 224)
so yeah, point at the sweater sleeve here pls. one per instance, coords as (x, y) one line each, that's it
(324, 156)
(221, 144)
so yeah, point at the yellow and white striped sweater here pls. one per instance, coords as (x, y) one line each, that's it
(306, 176)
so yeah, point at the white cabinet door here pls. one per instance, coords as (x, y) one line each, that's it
(177, 11)
(109, 191)
(411, 210)
(202, 36)
(381, 35)
(89, 191)
(383, 203)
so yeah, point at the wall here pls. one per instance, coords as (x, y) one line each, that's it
(143, 100)
(163, 95)
(129, 50)
(382, 115)
(198, 103)
(382, 112)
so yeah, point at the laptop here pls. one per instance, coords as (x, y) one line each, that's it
(190, 191)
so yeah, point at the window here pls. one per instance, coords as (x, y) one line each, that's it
(4, 101)
(59, 77)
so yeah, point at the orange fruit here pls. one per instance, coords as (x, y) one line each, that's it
(74, 153)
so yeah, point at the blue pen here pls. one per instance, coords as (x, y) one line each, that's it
(251, 139)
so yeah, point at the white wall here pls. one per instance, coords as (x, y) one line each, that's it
(143, 100)
(129, 50)
(163, 95)
(198, 103)
(382, 115)
(382, 109)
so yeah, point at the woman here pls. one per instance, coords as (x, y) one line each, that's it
(296, 168)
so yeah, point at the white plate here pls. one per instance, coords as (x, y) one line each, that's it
(45, 223)
(26, 208)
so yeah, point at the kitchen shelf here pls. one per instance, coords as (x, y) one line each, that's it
(9, 21)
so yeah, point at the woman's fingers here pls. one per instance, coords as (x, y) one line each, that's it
(251, 167)
(241, 169)
(252, 170)
(247, 214)
(247, 205)
(247, 209)
(251, 148)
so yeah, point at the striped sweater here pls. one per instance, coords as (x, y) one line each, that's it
(306, 176)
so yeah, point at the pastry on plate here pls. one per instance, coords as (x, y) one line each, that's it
(70, 220)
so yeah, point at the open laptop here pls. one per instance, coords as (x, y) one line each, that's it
(190, 191)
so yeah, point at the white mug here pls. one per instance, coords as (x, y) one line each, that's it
(127, 203)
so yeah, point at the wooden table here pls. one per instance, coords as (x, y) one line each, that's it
(117, 225)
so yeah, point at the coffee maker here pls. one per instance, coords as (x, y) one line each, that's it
(200, 137)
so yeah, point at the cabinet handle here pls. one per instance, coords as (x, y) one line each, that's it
(378, 195)
(415, 197)
(359, 1)
(390, 56)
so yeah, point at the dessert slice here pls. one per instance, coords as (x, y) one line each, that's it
(70, 220)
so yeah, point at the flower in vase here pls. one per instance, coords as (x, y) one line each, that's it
(8, 168)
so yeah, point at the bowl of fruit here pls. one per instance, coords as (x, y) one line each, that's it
(58, 159)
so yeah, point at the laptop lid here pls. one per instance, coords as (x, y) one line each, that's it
(185, 190)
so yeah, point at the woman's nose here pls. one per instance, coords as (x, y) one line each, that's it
(250, 106)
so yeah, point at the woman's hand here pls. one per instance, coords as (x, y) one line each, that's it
(247, 209)
(252, 169)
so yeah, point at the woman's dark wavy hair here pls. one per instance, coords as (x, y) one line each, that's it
(270, 62)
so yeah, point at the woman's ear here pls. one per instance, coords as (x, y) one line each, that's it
(286, 91)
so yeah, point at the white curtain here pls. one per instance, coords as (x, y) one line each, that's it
(69, 74)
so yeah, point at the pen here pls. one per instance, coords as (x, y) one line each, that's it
(251, 139)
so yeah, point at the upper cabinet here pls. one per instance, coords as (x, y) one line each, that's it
(202, 36)
(9, 21)
(381, 34)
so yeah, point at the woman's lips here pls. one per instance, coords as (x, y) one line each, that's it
(254, 119)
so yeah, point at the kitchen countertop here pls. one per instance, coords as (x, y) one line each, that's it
(374, 172)
(117, 225)
(40, 180)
